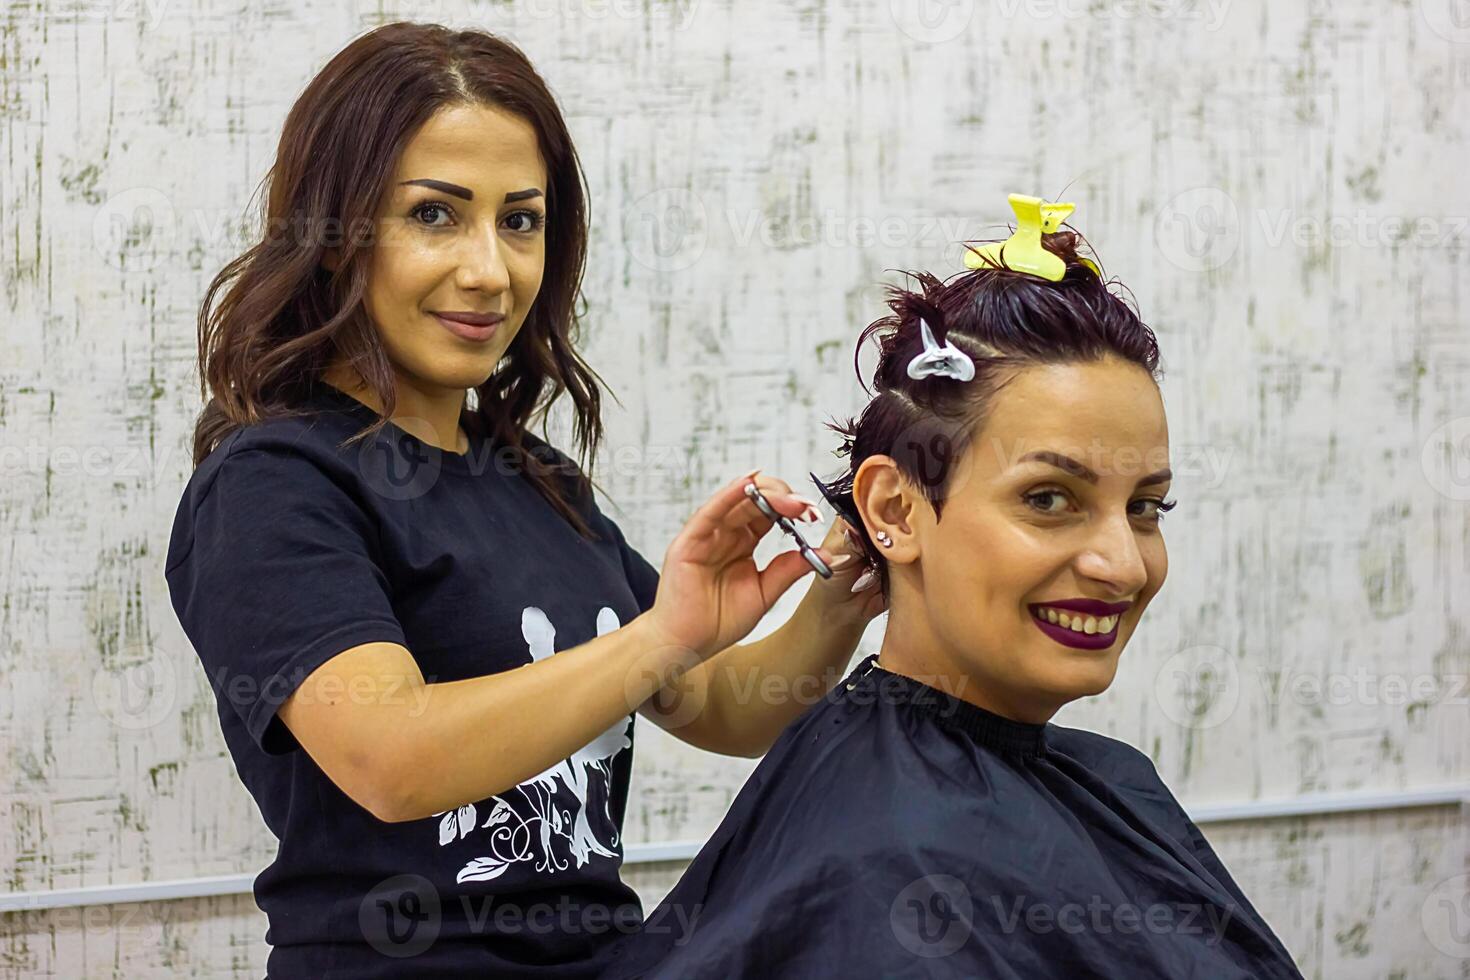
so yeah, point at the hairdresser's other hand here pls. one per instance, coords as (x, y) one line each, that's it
(710, 592)
(852, 596)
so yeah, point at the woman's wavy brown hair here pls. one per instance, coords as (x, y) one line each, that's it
(1002, 319)
(282, 318)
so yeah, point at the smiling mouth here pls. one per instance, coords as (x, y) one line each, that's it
(1081, 631)
(1075, 621)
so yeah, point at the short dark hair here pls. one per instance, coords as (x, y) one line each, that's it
(1003, 320)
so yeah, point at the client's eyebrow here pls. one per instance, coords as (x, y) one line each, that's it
(1082, 472)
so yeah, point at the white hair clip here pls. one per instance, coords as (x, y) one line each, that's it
(947, 361)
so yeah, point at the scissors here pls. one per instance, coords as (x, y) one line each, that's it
(784, 523)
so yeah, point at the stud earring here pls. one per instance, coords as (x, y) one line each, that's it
(884, 539)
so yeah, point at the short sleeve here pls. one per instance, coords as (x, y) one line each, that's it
(273, 570)
(642, 576)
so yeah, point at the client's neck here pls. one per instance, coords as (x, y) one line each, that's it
(927, 662)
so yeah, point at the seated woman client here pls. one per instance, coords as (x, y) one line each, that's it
(1008, 480)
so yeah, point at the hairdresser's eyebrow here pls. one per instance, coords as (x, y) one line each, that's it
(1082, 472)
(469, 195)
(444, 187)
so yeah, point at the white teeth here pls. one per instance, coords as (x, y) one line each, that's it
(1078, 623)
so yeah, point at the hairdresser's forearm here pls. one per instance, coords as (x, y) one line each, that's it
(753, 691)
(475, 738)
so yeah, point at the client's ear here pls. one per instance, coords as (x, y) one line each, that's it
(886, 503)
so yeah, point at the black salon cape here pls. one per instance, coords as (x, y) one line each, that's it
(895, 831)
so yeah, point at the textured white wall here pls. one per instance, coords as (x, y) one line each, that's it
(1279, 183)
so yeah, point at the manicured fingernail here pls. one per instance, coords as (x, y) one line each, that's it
(864, 580)
(841, 561)
(751, 474)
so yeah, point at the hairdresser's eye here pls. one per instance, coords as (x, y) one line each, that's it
(526, 222)
(1043, 501)
(429, 208)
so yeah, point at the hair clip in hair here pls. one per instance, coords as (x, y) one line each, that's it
(1023, 251)
(946, 361)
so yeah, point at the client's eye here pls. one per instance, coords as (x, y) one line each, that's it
(1045, 496)
(1046, 502)
(1160, 508)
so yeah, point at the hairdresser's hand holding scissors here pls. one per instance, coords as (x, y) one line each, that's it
(711, 595)
(851, 597)
(710, 592)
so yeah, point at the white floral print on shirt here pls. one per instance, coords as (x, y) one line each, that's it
(545, 820)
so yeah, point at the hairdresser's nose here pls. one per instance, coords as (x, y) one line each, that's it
(1112, 558)
(481, 264)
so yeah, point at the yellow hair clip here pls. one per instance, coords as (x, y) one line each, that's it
(1023, 252)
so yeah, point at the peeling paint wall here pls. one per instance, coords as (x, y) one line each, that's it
(1281, 186)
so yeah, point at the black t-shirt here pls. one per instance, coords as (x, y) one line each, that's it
(287, 551)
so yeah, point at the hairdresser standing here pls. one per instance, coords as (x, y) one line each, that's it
(425, 638)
